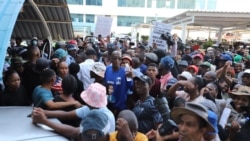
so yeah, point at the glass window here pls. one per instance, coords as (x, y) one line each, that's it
(149, 3)
(94, 2)
(150, 19)
(172, 4)
(77, 17)
(131, 3)
(200, 4)
(79, 2)
(211, 4)
(186, 4)
(90, 18)
(160, 3)
(129, 20)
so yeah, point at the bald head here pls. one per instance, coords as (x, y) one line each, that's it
(130, 117)
(212, 75)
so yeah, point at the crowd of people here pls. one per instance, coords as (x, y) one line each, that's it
(109, 90)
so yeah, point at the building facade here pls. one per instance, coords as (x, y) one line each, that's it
(126, 13)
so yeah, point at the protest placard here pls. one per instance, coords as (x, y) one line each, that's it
(103, 26)
(155, 36)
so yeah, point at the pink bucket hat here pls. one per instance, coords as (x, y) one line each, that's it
(95, 95)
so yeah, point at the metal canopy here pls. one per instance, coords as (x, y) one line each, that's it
(213, 19)
(44, 19)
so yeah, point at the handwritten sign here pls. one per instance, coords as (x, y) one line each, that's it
(155, 36)
(103, 26)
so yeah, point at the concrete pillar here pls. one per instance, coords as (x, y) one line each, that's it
(183, 33)
(209, 33)
(219, 34)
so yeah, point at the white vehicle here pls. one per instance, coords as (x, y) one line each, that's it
(16, 125)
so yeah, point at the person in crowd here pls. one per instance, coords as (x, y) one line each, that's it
(80, 57)
(238, 68)
(117, 82)
(210, 91)
(142, 66)
(182, 65)
(42, 95)
(85, 67)
(185, 75)
(60, 54)
(74, 68)
(165, 66)
(150, 57)
(209, 76)
(193, 123)
(97, 72)
(136, 66)
(193, 69)
(30, 76)
(14, 93)
(72, 52)
(127, 126)
(17, 65)
(197, 59)
(145, 110)
(93, 125)
(192, 88)
(62, 71)
(204, 67)
(140, 49)
(187, 50)
(95, 98)
(69, 86)
(237, 116)
(152, 72)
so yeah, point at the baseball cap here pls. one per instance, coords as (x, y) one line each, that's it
(195, 68)
(185, 74)
(238, 59)
(144, 78)
(72, 47)
(41, 65)
(167, 62)
(94, 125)
(182, 63)
(99, 69)
(73, 42)
(95, 95)
(151, 56)
(198, 55)
(60, 53)
(207, 64)
(225, 57)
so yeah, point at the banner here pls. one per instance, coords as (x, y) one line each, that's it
(103, 26)
(155, 36)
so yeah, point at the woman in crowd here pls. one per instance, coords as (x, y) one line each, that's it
(14, 93)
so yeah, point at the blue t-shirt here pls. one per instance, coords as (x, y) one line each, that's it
(118, 82)
(143, 68)
(147, 114)
(41, 96)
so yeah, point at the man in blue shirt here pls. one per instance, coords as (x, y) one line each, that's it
(118, 82)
